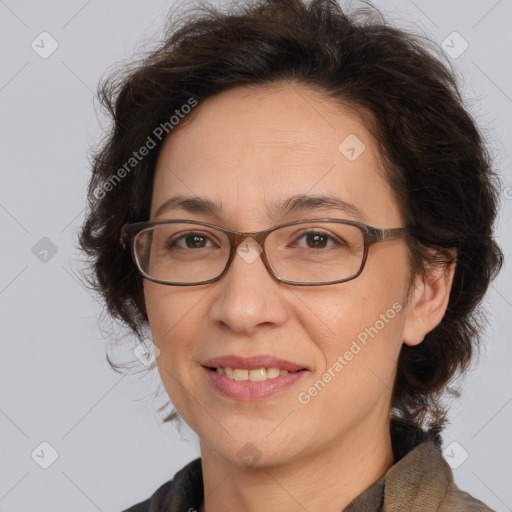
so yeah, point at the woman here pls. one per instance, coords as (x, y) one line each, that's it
(297, 204)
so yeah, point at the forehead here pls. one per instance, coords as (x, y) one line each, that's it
(252, 147)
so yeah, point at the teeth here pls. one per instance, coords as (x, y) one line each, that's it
(239, 374)
(272, 373)
(257, 374)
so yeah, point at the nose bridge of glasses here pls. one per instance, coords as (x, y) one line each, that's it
(242, 247)
(238, 238)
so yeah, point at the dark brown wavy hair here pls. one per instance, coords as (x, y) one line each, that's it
(437, 164)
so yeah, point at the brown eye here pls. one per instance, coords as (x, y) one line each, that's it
(318, 240)
(189, 240)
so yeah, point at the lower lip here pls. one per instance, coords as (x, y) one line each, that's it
(252, 390)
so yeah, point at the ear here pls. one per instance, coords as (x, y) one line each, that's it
(428, 302)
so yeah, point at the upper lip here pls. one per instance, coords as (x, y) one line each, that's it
(253, 362)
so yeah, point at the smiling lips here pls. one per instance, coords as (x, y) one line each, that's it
(252, 378)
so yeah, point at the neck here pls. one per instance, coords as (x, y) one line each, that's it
(326, 480)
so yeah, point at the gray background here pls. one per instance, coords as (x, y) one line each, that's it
(56, 385)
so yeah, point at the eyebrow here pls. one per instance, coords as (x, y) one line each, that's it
(299, 203)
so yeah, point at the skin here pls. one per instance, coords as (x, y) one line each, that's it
(248, 147)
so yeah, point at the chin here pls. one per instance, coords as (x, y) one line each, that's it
(254, 449)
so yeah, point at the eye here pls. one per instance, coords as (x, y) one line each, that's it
(191, 240)
(319, 240)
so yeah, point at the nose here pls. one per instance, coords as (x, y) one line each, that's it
(248, 296)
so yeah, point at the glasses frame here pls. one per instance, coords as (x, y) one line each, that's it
(371, 235)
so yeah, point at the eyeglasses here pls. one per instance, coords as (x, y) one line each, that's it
(303, 253)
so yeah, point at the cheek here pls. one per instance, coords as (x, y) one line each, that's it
(365, 331)
(358, 327)
(357, 358)
(346, 311)
(173, 318)
(168, 306)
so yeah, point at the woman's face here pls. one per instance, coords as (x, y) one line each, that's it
(246, 149)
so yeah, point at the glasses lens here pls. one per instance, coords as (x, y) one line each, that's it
(315, 252)
(182, 252)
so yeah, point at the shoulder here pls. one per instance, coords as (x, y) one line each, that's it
(421, 476)
(424, 480)
(185, 488)
(457, 500)
(143, 506)
(150, 504)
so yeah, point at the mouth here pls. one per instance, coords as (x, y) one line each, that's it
(252, 378)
